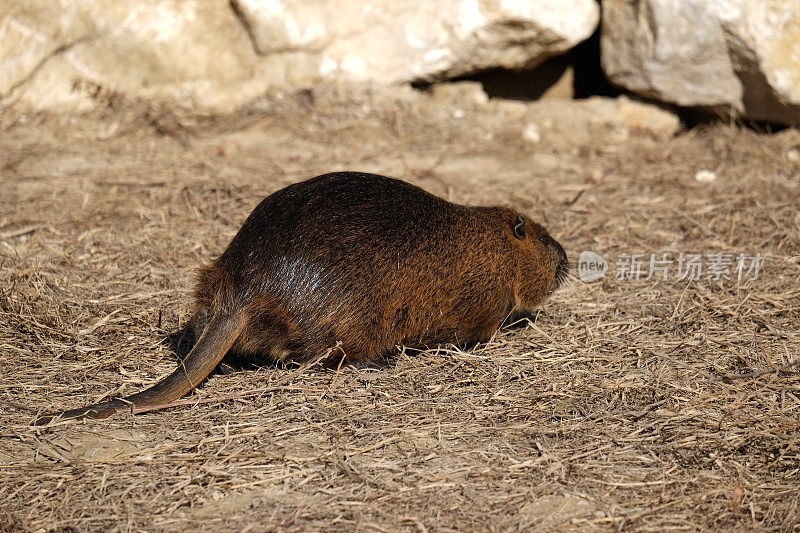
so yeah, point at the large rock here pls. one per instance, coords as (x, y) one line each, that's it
(407, 40)
(219, 54)
(192, 51)
(739, 56)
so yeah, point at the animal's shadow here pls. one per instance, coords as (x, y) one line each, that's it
(520, 319)
(181, 342)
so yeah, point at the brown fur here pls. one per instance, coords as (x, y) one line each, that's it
(365, 263)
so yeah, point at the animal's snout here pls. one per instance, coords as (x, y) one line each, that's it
(559, 255)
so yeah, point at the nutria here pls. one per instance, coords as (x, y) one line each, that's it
(361, 262)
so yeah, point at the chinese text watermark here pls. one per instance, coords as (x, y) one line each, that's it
(682, 266)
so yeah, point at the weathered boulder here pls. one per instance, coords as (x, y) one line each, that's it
(731, 56)
(220, 54)
(192, 51)
(407, 40)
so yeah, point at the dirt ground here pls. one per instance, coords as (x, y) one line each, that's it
(643, 405)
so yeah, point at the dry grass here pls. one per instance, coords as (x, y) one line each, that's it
(610, 411)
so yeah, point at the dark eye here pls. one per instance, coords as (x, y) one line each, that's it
(519, 228)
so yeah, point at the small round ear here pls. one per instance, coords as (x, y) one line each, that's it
(519, 228)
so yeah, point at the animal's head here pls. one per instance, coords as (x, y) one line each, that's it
(542, 264)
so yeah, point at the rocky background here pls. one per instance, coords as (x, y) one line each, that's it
(737, 58)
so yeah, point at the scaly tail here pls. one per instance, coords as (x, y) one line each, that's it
(217, 338)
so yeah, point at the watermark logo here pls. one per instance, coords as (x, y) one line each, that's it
(591, 266)
(686, 267)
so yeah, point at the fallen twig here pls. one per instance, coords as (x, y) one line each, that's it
(757, 373)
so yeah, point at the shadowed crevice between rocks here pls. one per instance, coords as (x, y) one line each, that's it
(240, 16)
